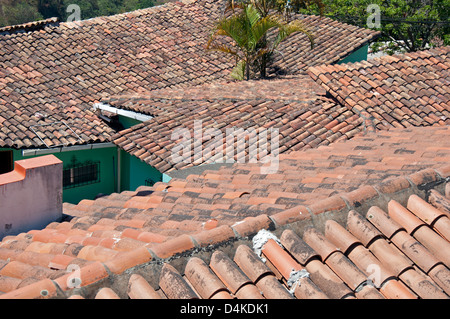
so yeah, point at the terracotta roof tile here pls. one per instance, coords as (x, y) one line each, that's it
(432, 216)
(205, 282)
(228, 272)
(108, 252)
(106, 293)
(244, 105)
(173, 285)
(53, 71)
(139, 288)
(384, 88)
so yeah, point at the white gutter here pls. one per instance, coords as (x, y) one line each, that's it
(130, 114)
(42, 151)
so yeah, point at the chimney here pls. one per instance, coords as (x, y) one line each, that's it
(31, 195)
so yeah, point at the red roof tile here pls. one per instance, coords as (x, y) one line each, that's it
(393, 91)
(139, 288)
(52, 72)
(52, 77)
(368, 233)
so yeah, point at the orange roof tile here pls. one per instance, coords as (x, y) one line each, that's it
(52, 72)
(393, 91)
(370, 228)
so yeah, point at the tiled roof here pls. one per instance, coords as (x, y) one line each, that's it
(333, 42)
(232, 193)
(397, 91)
(54, 73)
(59, 71)
(30, 26)
(200, 214)
(296, 106)
(373, 256)
(341, 102)
(399, 251)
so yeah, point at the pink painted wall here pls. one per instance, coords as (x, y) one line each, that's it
(31, 195)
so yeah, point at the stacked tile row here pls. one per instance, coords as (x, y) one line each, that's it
(51, 77)
(395, 91)
(292, 110)
(399, 254)
(165, 216)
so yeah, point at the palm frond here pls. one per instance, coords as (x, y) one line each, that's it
(238, 71)
(260, 29)
(223, 48)
(233, 27)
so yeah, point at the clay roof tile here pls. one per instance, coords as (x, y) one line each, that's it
(228, 272)
(139, 288)
(205, 282)
(173, 284)
(361, 228)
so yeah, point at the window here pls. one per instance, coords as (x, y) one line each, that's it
(80, 175)
(6, 162)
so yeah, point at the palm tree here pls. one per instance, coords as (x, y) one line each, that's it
(248, 29)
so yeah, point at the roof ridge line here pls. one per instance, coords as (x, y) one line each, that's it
(29, 26)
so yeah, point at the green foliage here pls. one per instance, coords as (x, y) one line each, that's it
(247, 27)
(17, 12)
(406, 25)
(96, 8)
(50, 8)
(281, 6)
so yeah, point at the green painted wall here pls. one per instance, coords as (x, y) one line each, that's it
(358, 55)
(108, 172)
(135, 172)
(128, 122)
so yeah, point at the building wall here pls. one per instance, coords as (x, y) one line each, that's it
(358, 55)
(31, 195)
(135, 172)
(108, 172)
(128, 122)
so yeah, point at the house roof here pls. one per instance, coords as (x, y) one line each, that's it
(56, 73)
(52, 72)
(379, 254)
(333, 40)
(232, 193)
(405, 90)
(337, 102)
(296, 107)
(29, 26)
(199, 217)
